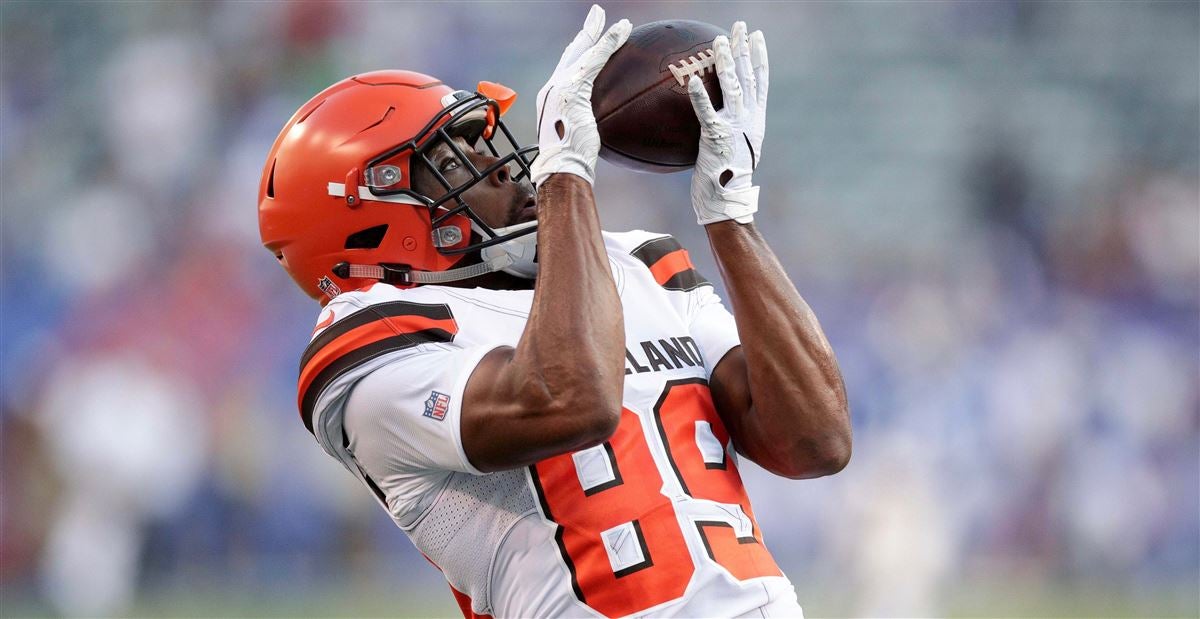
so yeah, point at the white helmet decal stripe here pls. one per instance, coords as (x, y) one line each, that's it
(364, 193)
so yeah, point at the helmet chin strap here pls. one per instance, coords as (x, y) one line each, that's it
(517, 257)
(522, 251)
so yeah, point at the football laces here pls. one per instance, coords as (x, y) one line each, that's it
(697, 65)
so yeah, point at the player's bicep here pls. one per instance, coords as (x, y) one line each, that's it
(483, 400)
(508, 420)
(715, 331)
(730, 388)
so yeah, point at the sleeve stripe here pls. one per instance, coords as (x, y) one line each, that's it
(654, 249)
(690, 279)
(312, 390)
(364, 335)
(671, 265)
(368, 334)
(381, 311)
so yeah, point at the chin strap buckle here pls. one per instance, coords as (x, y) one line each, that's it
(386, 274)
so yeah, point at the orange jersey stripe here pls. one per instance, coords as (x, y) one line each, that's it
(671, 265)
(364, 335)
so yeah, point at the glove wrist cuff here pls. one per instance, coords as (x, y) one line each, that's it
(739, 205)
(561, 163)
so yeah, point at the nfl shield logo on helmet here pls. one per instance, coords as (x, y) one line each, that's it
(327, 286)
(437, 405)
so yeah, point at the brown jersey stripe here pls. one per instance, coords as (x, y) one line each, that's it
(686, 280)
(670, 264)
(364, 335)
(356, 357)
(653, 250)
(367, 334)
(373, 313)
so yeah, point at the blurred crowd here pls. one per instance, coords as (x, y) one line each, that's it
(992, 207)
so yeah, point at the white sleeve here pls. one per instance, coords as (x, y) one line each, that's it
(405, 417)
(711, 325)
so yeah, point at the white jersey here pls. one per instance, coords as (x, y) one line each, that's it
(654, 521)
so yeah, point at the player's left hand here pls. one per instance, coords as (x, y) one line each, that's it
(731, 139)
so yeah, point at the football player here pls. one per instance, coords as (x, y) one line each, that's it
(552, 413)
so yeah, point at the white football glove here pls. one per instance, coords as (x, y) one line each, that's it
(731, 140)
(568, 141)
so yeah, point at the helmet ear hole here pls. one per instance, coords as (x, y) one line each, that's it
(366, 239)
(271, 182)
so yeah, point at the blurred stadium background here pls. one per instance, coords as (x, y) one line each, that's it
(992, 206)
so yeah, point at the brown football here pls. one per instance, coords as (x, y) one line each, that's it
(640, 97)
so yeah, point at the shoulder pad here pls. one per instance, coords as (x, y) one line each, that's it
(362, 334)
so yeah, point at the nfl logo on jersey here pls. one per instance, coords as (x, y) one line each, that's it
(437, 405)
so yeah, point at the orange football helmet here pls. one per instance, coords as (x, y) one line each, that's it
(335, 204)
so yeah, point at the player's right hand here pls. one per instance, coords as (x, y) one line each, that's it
(568, 141)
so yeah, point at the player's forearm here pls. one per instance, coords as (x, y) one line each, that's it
(798, 417)
(573, 345)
